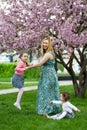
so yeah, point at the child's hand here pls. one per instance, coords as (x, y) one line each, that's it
(30, 64)
(51, 102)
(78, 110)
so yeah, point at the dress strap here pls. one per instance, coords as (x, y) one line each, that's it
(52, 53)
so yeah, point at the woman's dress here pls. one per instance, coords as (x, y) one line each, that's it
(48, 89)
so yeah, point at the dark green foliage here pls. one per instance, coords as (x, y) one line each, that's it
(33, 73)
(60, 67)
(7, 70)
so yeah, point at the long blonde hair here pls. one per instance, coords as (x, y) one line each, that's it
(50, 47)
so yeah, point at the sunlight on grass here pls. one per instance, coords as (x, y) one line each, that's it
(9, 85)
(14, 119)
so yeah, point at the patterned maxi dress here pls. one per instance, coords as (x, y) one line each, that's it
(48, 89)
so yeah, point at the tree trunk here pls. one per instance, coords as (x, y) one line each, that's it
(80, 84)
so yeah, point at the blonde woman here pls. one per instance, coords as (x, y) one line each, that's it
(48, 88)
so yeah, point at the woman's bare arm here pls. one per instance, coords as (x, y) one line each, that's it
(46, 57)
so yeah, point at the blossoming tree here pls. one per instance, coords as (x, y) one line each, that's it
(24, 22)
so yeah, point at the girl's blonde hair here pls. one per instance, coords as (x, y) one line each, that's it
(50, 47)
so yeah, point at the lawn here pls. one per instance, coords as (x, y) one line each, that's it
(9, 85)
(5, 83)
(9, 79)
(27, 119)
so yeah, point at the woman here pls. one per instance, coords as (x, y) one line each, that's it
(48, 88)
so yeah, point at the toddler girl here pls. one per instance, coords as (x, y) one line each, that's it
(67, 107)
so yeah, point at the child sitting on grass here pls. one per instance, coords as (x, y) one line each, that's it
(67, 107)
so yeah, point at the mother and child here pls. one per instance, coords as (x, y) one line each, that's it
(48, 87)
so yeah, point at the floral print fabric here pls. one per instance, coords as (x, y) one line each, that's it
(48, 89)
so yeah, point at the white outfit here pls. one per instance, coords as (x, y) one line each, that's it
(67, 108)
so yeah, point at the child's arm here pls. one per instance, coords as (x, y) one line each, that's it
(20, 67)
(78, 110)
(56, 102)
(73, 107)
(29, 64)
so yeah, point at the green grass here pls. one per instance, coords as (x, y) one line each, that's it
(27, 119)
(9, 85)
(5, 83)
(5, 79)
(9, 80)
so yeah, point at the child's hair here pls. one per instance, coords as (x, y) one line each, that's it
(66, 96)
(21, 54)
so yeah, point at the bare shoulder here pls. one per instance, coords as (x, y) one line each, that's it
(48, 55)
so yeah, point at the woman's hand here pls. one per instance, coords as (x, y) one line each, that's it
(28, 64)
(28, 67)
